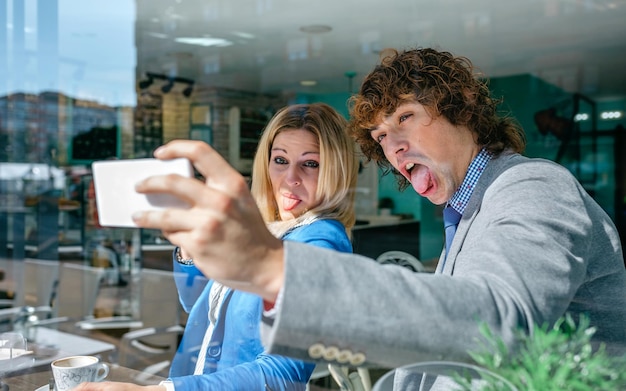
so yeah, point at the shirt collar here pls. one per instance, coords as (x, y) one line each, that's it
(461, 197)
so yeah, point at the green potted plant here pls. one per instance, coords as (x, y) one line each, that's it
(551, 359)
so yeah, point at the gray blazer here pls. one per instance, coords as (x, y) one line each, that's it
(531, 246)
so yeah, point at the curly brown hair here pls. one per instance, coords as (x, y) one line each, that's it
(441, 82)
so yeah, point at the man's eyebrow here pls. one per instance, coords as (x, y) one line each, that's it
(381, 118)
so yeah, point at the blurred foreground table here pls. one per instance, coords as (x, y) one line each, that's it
(51, 344)
(32, 370)
(37, 380)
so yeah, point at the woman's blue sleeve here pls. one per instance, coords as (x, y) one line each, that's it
(267, 372)
(190, 283)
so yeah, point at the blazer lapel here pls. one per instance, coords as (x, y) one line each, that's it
(495, 167)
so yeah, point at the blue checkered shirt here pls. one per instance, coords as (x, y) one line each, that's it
(461, 197)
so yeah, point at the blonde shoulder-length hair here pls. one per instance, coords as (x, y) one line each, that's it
(337, 170)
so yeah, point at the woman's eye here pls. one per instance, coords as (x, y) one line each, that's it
(379, 138)
(280, 160)
(311, 164)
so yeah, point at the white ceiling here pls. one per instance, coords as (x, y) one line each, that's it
(578, 45)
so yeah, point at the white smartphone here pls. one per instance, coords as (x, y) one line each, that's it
(114, 183)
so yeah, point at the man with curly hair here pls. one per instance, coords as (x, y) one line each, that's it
(530, 245)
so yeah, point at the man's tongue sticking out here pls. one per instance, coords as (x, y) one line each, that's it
(421, 179)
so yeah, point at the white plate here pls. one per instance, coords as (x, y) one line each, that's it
(5, 353)
(44, 388)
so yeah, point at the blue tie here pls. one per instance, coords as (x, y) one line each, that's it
(451, 219)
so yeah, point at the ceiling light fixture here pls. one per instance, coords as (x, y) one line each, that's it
(316, 29)
(146, 83)
(188, 90)
(242, 34)
(308, 83)
(170, 81)
(157, 35)
(167, 87)
(204, 41)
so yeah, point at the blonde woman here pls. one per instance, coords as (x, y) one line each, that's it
(303, 180)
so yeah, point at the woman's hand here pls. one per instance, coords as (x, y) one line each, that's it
(223, 230)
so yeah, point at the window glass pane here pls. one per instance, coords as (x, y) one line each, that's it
(88, 80)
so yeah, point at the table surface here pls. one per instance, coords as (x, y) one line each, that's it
(66, 344)
(51, 344)
(33, 380)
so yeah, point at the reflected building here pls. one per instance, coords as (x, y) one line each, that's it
(56, 129)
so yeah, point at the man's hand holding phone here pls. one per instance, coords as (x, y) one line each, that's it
(222, 230)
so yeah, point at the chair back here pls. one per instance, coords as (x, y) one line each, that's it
(33, 285)
(159, 304)
(107, 259)
(423, 375)
(37, 283)
(401, 258)
(151, 348)
(12, 272)
(77, 291)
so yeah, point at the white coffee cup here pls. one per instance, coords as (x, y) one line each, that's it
(69, 372)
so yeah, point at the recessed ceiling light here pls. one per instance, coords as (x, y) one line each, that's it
(157, 35)
(242, 34)
(316, 29)
(206, 41)
(308, 83)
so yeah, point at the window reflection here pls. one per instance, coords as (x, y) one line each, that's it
(74, 88)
